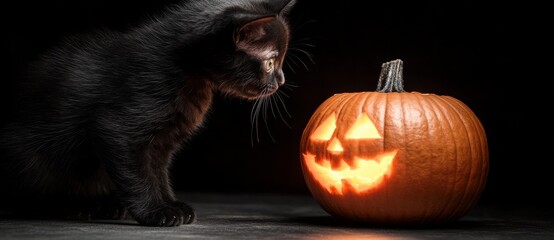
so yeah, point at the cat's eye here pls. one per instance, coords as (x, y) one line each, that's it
(269, 64)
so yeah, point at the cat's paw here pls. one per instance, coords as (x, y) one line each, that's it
(174, 214)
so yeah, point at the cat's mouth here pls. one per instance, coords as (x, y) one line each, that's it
(253, 93)
(250, 91)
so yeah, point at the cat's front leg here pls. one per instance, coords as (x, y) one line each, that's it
(172, 213)
(143, 183)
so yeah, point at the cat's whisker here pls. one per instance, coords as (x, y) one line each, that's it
(297, 46)
(282, 103)
(290, 67)
(289, 86)
(267, 109)
(296, 28)
(270, 103)
(278, 96)
(299, 59)
(305, 53)
(260, 110)
(264, 101)
(254, 121)
(294, 60)
(303, 44)
(267, 104)
(255, 110)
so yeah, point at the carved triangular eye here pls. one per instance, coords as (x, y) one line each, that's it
(363, 128)
(325, 130)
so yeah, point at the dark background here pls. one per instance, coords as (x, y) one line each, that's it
(496, 58)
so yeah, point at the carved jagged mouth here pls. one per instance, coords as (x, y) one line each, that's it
(367, 173)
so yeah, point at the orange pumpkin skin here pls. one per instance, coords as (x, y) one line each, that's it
(438, 155)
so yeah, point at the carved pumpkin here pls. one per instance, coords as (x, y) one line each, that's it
(402, 158)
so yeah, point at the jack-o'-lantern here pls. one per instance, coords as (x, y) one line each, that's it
(395, 157)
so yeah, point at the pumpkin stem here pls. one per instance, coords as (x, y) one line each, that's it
(391, 78)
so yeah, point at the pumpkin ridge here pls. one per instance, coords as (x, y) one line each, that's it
(460, 209)
(463, 117)
(392, 98)
(483, 151)
(386, 130)
(375, 96)
(443, 123)
(372, 105)
(409, 111)
(469, 121)
(423, 104)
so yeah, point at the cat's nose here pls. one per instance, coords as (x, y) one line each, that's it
(280, 78)
(281, 81)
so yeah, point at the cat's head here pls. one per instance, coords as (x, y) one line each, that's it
(251, 67)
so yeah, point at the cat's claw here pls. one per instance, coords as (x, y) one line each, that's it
(177, 214)
(189, 216)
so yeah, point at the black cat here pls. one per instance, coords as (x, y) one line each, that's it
(101, 115)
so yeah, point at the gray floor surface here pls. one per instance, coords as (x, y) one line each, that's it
(267, 216)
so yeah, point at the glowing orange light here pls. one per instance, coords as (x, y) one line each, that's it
(366, 174)
(363, 128)
(325, 131)
(361, 174)
(335, 146)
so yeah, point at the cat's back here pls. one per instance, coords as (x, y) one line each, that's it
(56, 93)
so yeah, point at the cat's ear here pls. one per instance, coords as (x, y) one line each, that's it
(259, 10)
(288, 4)
(250, 32)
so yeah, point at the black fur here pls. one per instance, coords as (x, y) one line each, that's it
(101, 115)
